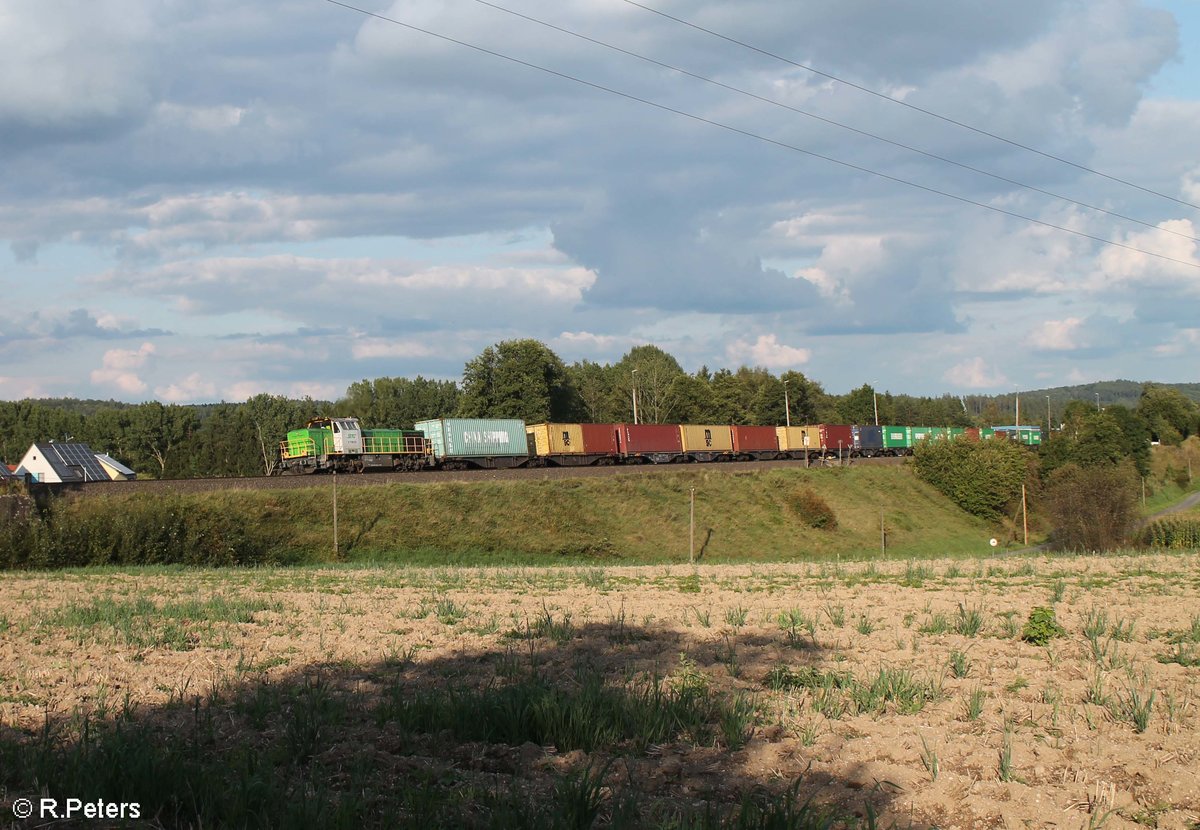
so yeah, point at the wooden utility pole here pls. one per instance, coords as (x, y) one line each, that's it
(692, 529)
(882, 536)
(1024, 516)
(335, 526)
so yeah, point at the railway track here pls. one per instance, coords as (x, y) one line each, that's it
(206, 485)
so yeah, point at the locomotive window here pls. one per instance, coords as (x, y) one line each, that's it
(335, 427)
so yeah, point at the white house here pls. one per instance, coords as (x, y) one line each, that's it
(54, 463)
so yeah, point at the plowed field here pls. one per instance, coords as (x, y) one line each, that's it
(905, 685)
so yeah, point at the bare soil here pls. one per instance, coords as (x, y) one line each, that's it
(1055, 744)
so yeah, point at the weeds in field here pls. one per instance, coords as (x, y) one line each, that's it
(970, 621)
(1095, 694)
(728, 656)
(929, 760)
(1134, 706)
(836, 614)
(1008, 624)
(1057, 590)
(544, 625)
(703, 617)
(865, 624)
(974, 705)
(141, 623)
(1006, 767)
(792, 621)
(1017, 684)
(960, 666)
(936, 624)
(736, 617)
(448, 612)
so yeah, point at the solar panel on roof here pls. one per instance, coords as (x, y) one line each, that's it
(81, 457)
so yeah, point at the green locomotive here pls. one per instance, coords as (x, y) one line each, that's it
(342, 445)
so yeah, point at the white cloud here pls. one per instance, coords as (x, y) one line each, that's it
(975, 374)
(1184, 341)
(1120, 265)
(379, 347)
(767, 351)
(117, 369)
(1057, 335)
(242, 390)
(195, 387)
(588, 341)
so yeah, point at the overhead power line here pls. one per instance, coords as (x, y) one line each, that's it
(913, 107)
(832, 122)
(758, 137)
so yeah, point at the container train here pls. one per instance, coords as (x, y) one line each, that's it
(342, 445)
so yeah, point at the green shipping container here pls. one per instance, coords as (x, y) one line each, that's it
(896, 438)
(918, 434)
(476, 437)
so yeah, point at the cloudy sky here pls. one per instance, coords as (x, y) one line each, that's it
(207, 199)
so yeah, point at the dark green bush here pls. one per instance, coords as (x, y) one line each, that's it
(1042, 627)
(982, 477)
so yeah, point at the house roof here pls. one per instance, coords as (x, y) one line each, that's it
(108, 461)
(73, 462)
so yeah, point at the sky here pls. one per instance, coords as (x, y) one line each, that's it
(209, 199)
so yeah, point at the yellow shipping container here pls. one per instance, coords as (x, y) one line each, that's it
(556, 439)
(798, 438)
(706, 438)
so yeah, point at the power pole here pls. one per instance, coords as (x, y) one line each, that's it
(692, 529)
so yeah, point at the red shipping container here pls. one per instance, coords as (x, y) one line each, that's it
(647, 438)
(601, 439)
(835, 435)
(754, 439)
(972, 433)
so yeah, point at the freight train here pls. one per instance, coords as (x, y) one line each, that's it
(342, 445)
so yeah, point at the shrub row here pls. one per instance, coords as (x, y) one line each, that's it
(160, 531)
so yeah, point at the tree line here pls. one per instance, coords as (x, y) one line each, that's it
(525, 379)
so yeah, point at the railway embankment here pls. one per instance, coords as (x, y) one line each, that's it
(741, 513)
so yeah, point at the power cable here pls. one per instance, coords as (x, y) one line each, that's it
(758, 137)
(831, 121)
(913, 107)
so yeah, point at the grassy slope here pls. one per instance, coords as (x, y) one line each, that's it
(638, 517)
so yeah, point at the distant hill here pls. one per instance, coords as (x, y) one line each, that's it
(1033, 401)
(1123, 392)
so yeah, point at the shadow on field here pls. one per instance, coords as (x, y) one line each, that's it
(554, 726)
